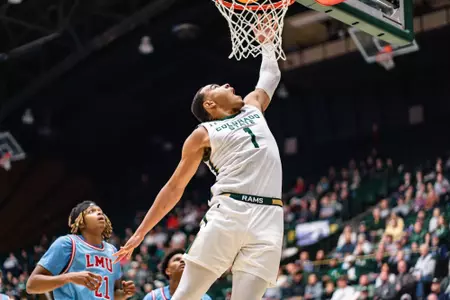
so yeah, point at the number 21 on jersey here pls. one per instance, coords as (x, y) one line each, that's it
(104, 287)
(252, 136)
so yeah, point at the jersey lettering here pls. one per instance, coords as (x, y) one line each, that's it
(252, 199)
(237, 124)
(99, 262)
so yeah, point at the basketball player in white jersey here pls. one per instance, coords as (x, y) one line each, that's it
(243, 228)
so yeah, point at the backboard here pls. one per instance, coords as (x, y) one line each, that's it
(387, 20)
(370, 46)
(8, 144)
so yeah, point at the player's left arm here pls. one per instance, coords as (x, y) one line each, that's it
(269, 78)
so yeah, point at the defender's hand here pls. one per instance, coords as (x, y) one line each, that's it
(127, 250)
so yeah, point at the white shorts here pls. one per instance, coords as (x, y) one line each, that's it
(246, 236)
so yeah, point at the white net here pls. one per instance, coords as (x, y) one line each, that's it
(253, 21)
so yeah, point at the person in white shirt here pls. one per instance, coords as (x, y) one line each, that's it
(441, 186)
(424, 269)
(343, 292)
(434, 220)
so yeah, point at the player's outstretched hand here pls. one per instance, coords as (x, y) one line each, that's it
(127, 250)
(265, 29)
(128, 288)
(88, 279)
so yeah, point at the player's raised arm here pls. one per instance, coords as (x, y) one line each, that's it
(171, 193)
(269, 74)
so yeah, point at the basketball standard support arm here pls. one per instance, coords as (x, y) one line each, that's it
(269, 74)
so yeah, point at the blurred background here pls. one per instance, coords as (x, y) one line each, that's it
(98, 95)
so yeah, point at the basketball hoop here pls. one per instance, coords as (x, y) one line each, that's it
(5, 161)
(385, 58)
(243, 16)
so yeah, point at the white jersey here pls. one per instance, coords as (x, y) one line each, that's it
(244, 155)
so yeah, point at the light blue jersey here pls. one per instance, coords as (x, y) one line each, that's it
(164, 294)
(71, 253)
(4, 297)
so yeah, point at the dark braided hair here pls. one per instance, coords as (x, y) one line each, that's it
(76, 219)
(167, 258)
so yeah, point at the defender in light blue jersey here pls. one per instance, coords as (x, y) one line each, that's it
(4, 297)
(172, 266)
(79, 265)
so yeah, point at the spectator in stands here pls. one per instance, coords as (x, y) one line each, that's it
(388, 245)
(442, 230)
(343, 291)
(356, 180)
(442, 185)
(406, 182)
(349, 246)
(394, 227)
(418, 234)
(376, 224)
(314, 289)
(347, 230)
(436, 289)
(404, 282)
(299, 187)
(334, 272)
(402, 208)
(434, 220)
(329, 290)
(296, 287)
(432, 199)
(390, 276)
(304, 262)
(420, 198)
(365, 284)
(350, 269)
(362, 230)
(424, 269)
(386, 290)
(320, 256)
(384, 208)
(363, 246)
(327, 209)
(419, 179)
(11, 264)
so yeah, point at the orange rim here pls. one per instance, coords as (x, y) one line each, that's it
(276, 5)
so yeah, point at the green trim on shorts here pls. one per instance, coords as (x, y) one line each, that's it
(255, 199)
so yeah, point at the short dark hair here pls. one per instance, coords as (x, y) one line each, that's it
(167, 258)
(197, 107)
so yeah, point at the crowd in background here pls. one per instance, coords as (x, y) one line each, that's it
(399, 250)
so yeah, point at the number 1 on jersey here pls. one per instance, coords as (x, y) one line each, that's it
(252, 135)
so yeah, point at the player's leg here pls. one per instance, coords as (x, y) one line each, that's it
(261, 253)
(213, 250)
(247, 286)
(195, 282)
